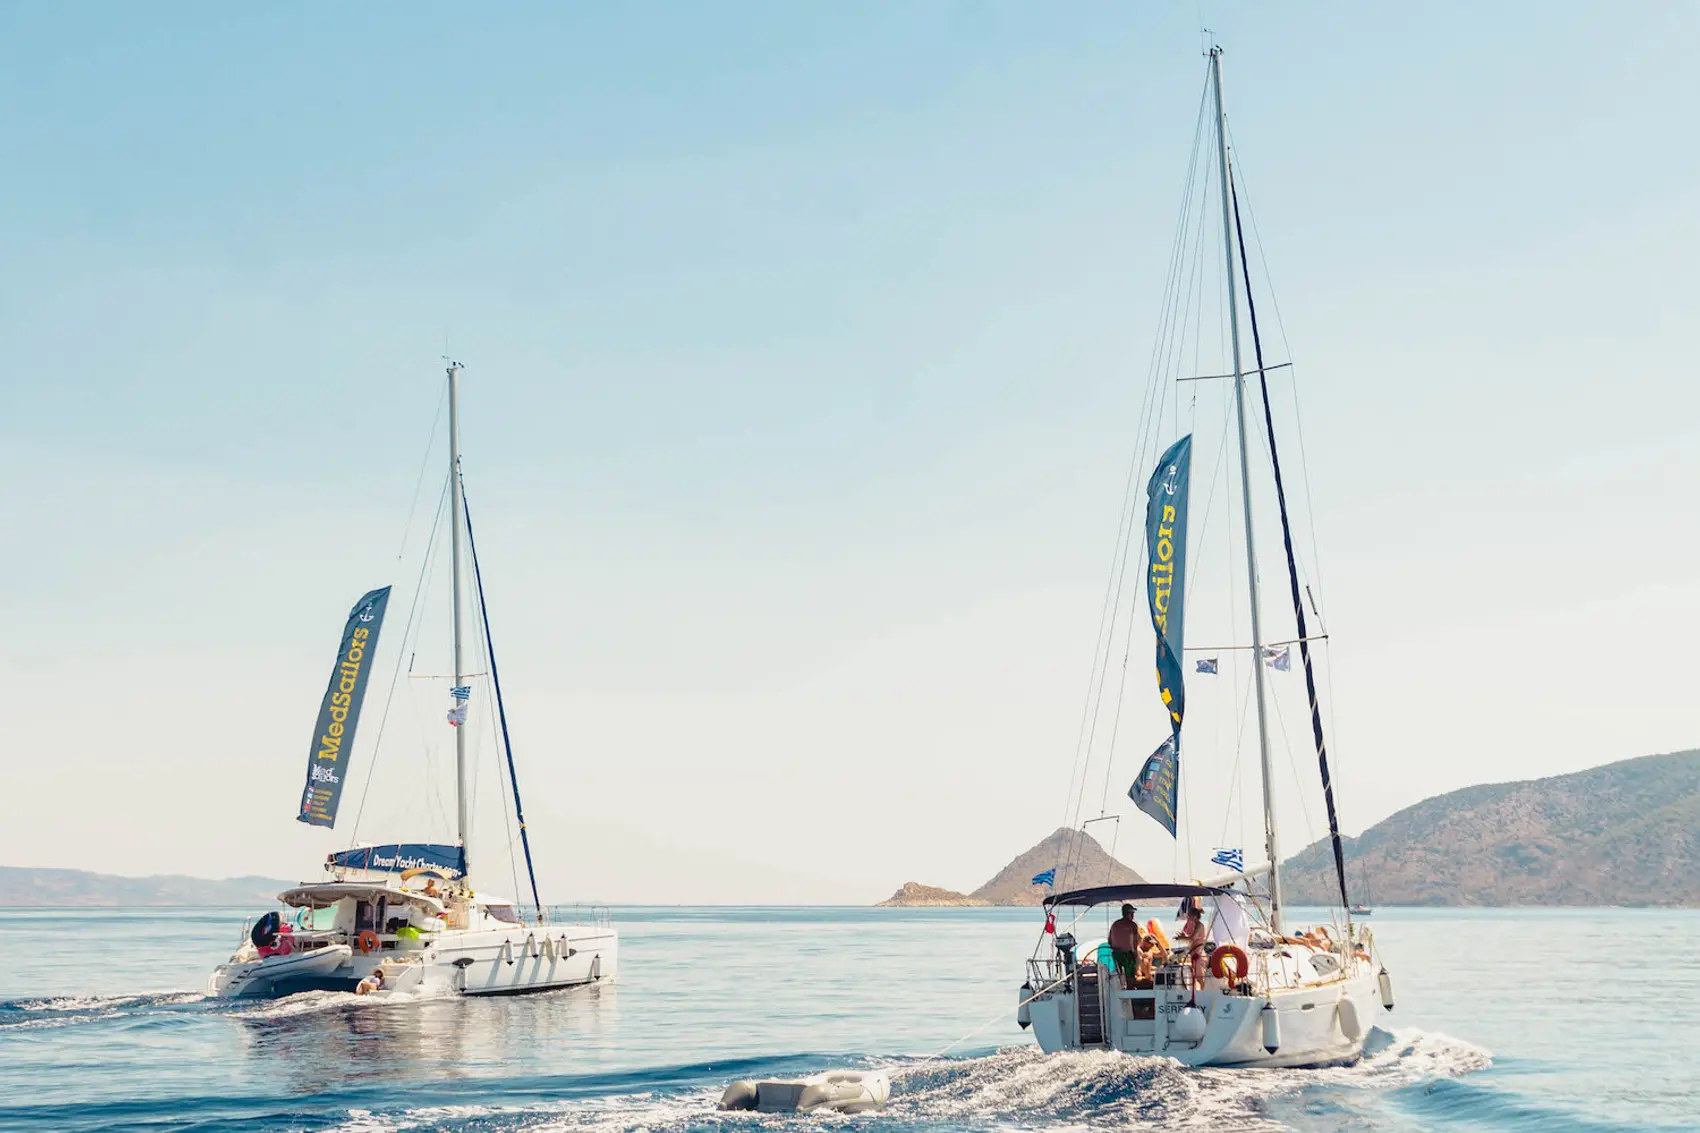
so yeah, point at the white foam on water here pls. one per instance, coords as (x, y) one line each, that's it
(308, 1002)
(71, 1010)
(1016, 1087)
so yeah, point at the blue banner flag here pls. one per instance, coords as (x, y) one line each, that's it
(339, 712)
(1049, 877)
(1165, 583)
(399, 857)
(1154, 791)
(1277, 658)
(1233, 859)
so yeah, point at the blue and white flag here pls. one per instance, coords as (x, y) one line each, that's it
(1205, 665)
(1233, 859)
(1049, 877)
(1281, 658)
(461, 692)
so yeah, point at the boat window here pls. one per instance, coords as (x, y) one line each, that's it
(503, 913)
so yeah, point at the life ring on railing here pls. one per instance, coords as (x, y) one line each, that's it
(367, 941)
(303, 916)
(1219, 963)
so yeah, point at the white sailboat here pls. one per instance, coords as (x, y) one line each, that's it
(405, 916)
(1247, 990)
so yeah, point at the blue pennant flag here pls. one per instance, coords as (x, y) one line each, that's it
(1049, 877)
(1232, 859)
(1154, 791)
(1277, 658)
(1205, 665)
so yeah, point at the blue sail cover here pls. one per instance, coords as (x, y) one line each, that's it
(398, 857)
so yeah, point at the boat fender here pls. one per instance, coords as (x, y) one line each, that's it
(739, 1095)
(1189, 1026)
(1024, 1017)
(596, 966)
(508, 951)
(1219, 963)
(1350, 1025)
(1385, 982)
(531, 945)
(1271, 1028)
(549, 948)
(367, 941)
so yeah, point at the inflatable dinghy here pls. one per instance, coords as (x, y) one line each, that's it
(837, 1091)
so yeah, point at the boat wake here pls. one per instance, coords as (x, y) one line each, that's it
(1015, 1086)
(70, 1010)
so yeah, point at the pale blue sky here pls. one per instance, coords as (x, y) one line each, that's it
(804, 347)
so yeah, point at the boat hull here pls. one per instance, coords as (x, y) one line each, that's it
(506, 961)
(1314, 1028)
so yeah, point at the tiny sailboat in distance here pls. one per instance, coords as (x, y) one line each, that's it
(405, 915)
(1232, 983)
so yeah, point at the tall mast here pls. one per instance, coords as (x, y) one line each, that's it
(456, 510)
(1270, 843)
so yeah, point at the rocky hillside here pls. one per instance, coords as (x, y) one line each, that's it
(1090, 866)
(914, 895)
(1623, 834)
(62, 887)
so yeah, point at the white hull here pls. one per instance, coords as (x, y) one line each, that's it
(1314, 1027)
(505, 961)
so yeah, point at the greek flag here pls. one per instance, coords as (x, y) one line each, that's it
(1233, 859)
(1281, 658)
(1205, 665)
(1049, 877)
(461, 692)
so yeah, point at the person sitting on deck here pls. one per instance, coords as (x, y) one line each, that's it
(373, 982)
(1193, 935)
(431, 889)
(1124, 942)
(1150, 952)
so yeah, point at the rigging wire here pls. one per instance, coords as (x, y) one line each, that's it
(403, 652)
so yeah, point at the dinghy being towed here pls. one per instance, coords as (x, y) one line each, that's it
(408, 909)
(831, 1091)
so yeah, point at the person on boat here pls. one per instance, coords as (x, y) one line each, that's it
(1124, 944)
(373, 982)
(1193, 936)
(1150, 953)
(431, 889)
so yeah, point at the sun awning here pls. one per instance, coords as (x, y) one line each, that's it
(322, 894)
(1133, 894)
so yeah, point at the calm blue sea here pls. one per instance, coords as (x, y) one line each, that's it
(1507, 1020)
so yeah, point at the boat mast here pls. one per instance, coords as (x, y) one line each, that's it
(456, 506)
(1270, 844)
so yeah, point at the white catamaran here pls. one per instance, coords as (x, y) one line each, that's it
(1237, 986)
(405, 916)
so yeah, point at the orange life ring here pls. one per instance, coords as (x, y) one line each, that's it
(367, 941)
(1219, 963)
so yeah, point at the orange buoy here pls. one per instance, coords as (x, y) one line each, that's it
(1219, 963)
(367, 941)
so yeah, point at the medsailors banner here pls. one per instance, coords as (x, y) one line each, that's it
(1155, 790)
(1165, 585)
(333, 735)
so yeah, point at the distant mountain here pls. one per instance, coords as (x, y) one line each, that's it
(1076, 856)
(1624, 834)
(914, 895)
(63, 887)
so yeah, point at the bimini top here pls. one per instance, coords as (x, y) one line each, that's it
(323, 894)
(400, 857)
(1104, 894)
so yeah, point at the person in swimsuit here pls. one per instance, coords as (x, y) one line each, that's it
(1194, 936)
(1124, 942)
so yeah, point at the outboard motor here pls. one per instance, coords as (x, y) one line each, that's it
(265, 930)
(1065, 946)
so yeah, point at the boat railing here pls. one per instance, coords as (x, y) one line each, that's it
(597, 916)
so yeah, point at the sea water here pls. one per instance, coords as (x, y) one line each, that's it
(1537, 1020)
